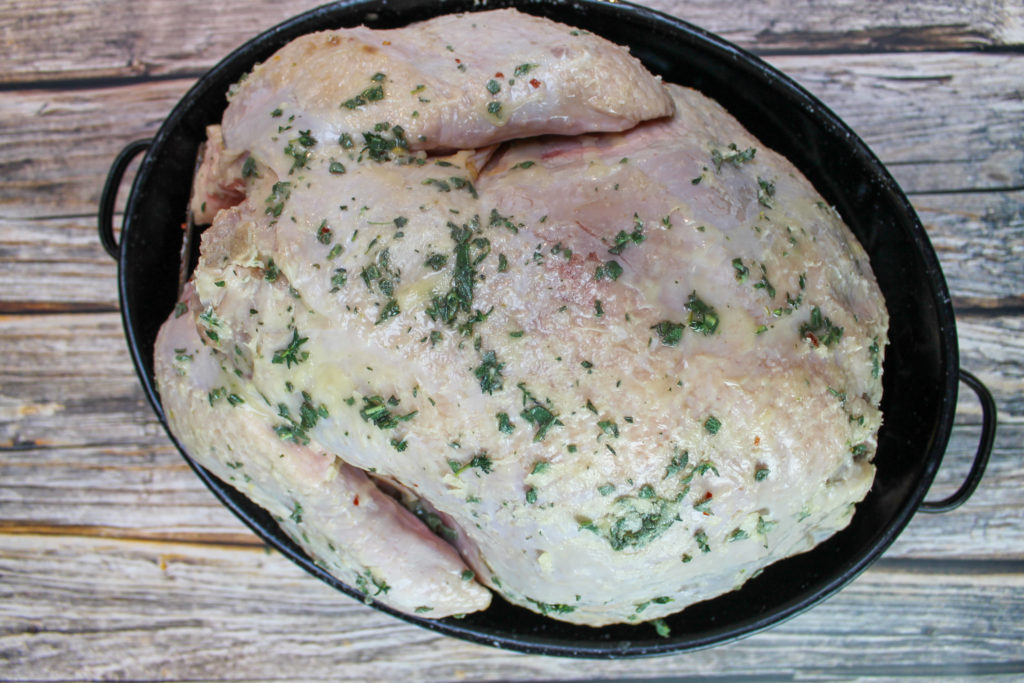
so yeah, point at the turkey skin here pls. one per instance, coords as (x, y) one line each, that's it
(606, 360)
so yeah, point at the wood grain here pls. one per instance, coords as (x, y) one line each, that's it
(125, 39)
(901, 105)
(116, 563)
(217, 609)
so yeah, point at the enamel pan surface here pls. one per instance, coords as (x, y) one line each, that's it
(922, 351)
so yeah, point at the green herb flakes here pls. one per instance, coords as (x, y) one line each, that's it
(480, 461)
(819, 329)
(505, 425)
(732, 155)
(291, 354)
(489, 372)
(668, 332)
(610, 270)
(703, 318)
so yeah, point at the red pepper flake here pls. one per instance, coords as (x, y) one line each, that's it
(458, 61)
(814, 340)
(355, 501)
(757, 441)
(534, 82)
(499, 75)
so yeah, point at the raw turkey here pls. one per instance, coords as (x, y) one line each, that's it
(604, 374)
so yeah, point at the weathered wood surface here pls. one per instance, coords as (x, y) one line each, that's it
(116, 563)
(122, 38)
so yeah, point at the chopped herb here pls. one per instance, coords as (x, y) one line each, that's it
(399, 445)
(489, 372)
(537, 415)
(389, 310)
(531, 495)
(733, 155)
(493, 86)
(324, 235)
(505, 425)
(712, 425)
(494, 108)
(249, 168)
(703, 317)
(764, 284)
(524, 69)
(524, 165)
(374, 93)
(345, 140)
(669, 333)
(820, 329)
(761, 473)
(479, 461)
(336, 167)
(279, 194)
(497, 219)
(540, 466)
(741, 270)
(705, 467)
(677, 463)
(468, 575)
(702, 541)
(296, 515)
(380, 147)
(876, 364)
(765, 192)
(606, 489)
(375, 409)
(338, 279)
(609, 427)
(436, 261)
(611, 270)
(738, 535)
(623, 239)
(291, 353)
(548, 608)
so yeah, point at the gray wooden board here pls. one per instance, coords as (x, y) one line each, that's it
(116, 562)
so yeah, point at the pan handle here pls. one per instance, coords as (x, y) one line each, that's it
(988, 436)
(109, 194)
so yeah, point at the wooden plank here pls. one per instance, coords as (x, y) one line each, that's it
(82, 443)
(84, 609)
(57, 264)
(899, 104)
(82, 132)
(68, 381)
(930, 117)
(147, 492)
(189, 37)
